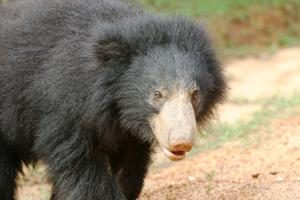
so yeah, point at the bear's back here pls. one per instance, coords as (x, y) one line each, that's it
(37, 25)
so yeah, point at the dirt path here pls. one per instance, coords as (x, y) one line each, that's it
(265, 76)
(267, 168)
(254, 78)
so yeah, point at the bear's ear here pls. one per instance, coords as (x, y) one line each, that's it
(114, 51)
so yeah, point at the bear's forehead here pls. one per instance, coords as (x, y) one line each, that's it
(173, 61)
(171, 68)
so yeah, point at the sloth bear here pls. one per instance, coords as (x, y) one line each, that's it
(91, 87)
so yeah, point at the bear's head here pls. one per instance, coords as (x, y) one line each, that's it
(169, 79)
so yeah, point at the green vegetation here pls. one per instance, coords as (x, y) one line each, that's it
(273, 108)
(210, 8)
(241, 27)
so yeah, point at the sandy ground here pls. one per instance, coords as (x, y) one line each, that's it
(261, 77)
(265, 76)
(266, 169)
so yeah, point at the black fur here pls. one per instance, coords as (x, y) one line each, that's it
(75, 79)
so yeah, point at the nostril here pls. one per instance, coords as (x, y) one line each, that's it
(181, 146)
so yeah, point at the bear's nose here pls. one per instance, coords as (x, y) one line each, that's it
(181, 145)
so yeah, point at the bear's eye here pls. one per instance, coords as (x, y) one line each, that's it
(195, 96)
(157, 94)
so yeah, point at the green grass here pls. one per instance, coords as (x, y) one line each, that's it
(273, 108)
(196, 8)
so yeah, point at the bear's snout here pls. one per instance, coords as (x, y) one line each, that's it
(175, 126)
(181, 145)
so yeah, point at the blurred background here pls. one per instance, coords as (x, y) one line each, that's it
(252, 149)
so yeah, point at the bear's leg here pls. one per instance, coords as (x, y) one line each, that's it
(9, 168)
(75, 177)
(135, 166)
(90, 181)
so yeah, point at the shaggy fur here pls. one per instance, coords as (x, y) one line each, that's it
(75, 80)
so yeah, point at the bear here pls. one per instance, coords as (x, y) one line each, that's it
(93, 88)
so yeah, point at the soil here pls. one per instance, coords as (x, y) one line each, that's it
(267, 169)
(264, 167)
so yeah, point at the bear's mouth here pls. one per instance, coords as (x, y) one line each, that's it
(174, 155)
